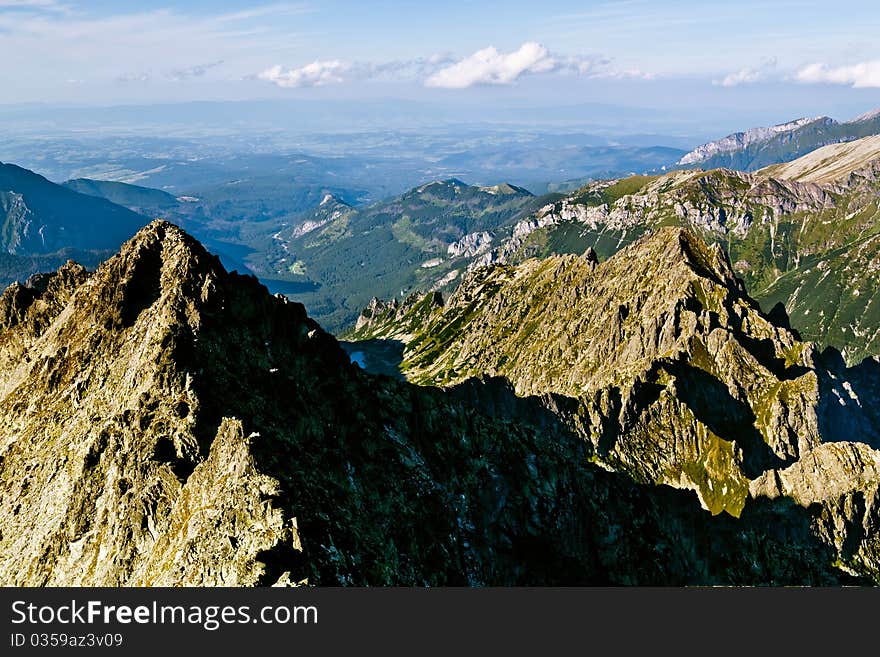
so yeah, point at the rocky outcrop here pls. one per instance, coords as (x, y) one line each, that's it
(329, 210)
(823, 474)
(470, 245)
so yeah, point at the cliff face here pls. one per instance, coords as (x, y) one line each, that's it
(165, 422)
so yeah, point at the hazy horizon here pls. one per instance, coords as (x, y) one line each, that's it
(681, 68)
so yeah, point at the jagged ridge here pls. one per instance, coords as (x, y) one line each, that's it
(165, 422)
(657, 357)
(810, 246)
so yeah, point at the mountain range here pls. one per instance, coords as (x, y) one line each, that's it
(42, 225)
(343, 255)
(803, 234)
(760, 147)
(40, 217)
(164, 422)
(656, 356)
(664, 379)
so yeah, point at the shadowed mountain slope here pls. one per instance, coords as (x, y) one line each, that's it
(165, 422)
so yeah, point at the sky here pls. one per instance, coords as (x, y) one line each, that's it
(777, 59)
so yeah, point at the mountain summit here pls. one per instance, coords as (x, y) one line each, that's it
(164, 422)
(658, 358)
(739, 141)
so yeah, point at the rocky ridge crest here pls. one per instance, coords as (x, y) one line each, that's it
(163, 421)
(660, 360)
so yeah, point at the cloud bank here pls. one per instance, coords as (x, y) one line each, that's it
(488, 66)
(750, 75)
(743, 76)
(491, 67)
(859, 76)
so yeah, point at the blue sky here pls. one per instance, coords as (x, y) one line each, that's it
(773, 56)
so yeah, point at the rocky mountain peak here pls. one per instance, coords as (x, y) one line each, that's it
(660, 331)
(114, 374)
(41, 297)
(332, 201)
(164, 422)
(505, 189)
(708, 260)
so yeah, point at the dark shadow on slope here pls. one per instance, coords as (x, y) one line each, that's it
(779, 316)
(724, 415)
(144, 285)
(764, 350)
(377, 355)
(849, 399)
(495, 397)
(393, 483)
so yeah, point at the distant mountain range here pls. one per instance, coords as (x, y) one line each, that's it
(759, 147)
(43, 224)
(40, 217)
(144, 200)
(654, 379)
(423, 239)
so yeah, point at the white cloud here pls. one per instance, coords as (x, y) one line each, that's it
(743, 76)
(316, 74)
(322, 73)
(488, 66)
(861, 75)
(749, 75)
